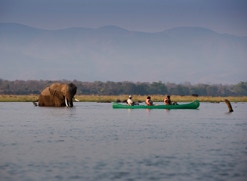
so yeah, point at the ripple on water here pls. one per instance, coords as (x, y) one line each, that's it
(94, 142)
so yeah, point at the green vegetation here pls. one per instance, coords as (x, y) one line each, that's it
(20, 87)
(28, 91)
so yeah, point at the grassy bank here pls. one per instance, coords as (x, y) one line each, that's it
(98, 98)
(18, 98)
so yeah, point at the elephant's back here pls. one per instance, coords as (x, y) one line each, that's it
(45, 92)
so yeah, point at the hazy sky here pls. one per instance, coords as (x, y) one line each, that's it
(223, 16)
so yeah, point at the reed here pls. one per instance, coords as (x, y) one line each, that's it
(18, 98)
(158, 98)
(112, 98)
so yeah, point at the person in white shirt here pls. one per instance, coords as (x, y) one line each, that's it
(129, 101)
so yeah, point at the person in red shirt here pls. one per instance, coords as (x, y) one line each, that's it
(148, 101)
(167, 100)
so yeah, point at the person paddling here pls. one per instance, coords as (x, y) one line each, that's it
(148, 101)
(129, 101)
(167, 100)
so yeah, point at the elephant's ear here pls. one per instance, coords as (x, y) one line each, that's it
(72, 88)
(56, 93)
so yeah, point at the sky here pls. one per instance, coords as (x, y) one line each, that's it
(223, 16)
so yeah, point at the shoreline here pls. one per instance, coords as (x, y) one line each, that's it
(114, 98)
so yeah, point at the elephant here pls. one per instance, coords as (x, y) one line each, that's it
(57, 95)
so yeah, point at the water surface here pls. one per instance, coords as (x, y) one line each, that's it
(92, 141)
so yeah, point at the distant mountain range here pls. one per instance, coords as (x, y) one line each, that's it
(110, 53)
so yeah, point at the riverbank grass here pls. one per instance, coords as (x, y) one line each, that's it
(113, 98)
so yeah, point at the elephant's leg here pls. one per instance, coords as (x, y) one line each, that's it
(58, 102)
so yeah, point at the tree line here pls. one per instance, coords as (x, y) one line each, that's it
(21, 87)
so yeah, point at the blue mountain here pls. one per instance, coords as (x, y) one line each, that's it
(111, 53)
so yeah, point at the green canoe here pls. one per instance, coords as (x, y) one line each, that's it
(193, 105)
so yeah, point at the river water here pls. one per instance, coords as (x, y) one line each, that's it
(92, 142)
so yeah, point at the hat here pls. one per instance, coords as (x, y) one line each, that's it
(130, 96)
